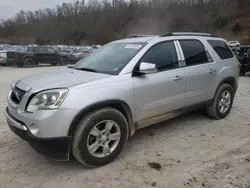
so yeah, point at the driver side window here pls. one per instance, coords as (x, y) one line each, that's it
(51, 50)
(163, 55)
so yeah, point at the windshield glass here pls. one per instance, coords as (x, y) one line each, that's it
(111, 58)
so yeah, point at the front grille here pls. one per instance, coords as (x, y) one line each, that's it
(17, 95)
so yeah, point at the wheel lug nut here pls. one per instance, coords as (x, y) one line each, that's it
(103, 133)
(107, 139)
(104, 143)
(100, 141)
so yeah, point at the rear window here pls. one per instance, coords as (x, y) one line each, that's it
(194, 52)
(221, 49)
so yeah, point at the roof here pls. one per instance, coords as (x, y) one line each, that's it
(137, 39)
(173, 35)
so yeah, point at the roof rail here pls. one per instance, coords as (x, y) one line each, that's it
(187, 34)
(139, 35)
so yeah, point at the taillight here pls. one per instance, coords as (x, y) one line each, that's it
(1, 57)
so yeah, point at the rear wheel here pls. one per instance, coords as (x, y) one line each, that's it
(29, 62)
(63, 61)
(100, 137)
(222, 103)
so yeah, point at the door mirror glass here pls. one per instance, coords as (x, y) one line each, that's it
(147, 68)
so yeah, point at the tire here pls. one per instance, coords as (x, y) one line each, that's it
(82, 137)
(215, 110)
(28, 62)
(63, 61)
(242, 73)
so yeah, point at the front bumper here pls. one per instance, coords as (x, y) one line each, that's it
(57, 148)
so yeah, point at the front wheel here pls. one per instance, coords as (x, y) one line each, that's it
(63, 61)
(222, 103)
(29, 62)
(100, 137)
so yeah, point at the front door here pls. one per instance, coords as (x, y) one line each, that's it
(52, 55)
(163, 91)
(41, 53)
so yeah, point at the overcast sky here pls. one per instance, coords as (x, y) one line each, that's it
(9, 8)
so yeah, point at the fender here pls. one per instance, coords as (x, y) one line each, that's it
(229, 80)
(28, 56)
(120, 105)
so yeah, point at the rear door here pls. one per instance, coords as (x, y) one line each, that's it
(200, 71)
(41, 53)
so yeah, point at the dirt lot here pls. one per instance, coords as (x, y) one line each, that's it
(193, 151)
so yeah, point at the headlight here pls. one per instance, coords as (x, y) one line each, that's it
(47, 100)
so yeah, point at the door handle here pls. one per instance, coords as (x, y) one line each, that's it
(178, 78)
(212, 71)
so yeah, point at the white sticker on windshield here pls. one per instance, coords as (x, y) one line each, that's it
(133, 46)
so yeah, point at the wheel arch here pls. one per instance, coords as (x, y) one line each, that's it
(65, 57)
(229, 80)
(29, 57)
(119, 105)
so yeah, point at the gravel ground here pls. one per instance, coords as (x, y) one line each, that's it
(189, 151)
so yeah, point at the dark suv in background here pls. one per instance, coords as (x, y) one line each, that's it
(244, 58)
(38, 54)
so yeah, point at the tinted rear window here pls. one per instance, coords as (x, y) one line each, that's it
(221, 49)
(194, 52)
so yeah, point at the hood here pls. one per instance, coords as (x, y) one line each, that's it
(60, 79)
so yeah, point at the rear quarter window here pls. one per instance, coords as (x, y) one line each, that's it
(221, 48)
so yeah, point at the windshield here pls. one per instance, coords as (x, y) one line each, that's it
(111, 58)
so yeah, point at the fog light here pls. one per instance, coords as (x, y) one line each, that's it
(34, 130)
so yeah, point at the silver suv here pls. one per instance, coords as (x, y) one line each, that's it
(91, 108)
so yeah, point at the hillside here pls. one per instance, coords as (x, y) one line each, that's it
(103, 21)
(240, 21)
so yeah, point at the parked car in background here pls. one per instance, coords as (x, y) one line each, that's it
(92, 108)
(38, 54)
(233, 43)
(6, 56)
(77, 56)
(244, 58)
(3, 58)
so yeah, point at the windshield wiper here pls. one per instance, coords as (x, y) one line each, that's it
(86, 69)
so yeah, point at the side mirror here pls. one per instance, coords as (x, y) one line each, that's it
(147, 68)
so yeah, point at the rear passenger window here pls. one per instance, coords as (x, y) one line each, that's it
(221, 49)
(194, 52)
